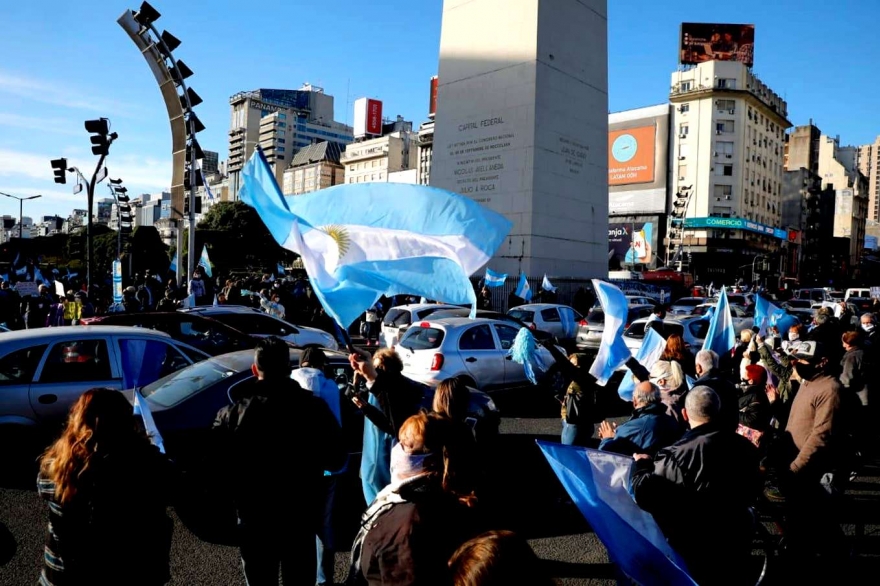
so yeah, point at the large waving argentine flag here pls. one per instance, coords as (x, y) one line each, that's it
(361, 241)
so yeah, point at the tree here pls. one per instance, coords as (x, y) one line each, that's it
(148, 251)
(238, 239)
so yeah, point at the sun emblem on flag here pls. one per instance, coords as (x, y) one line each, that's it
(340, 236)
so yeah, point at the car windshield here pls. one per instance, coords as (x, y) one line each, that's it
(522, 315)
(422, 338)
(396, 318)
(596, 317)
(176, 387)
(444, 313)
(636, 330)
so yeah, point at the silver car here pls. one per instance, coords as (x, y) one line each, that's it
(686, 305)
(473, 349)
(589, 336)
(44, 371)
(258, 324)
(559, 320)
(400, 317)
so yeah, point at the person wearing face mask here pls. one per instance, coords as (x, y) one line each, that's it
(812, 456)
(781, 365)
(871, 334)
(417, 522)
(793, 338)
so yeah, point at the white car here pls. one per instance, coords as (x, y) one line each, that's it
(558, 320)
(742, 318)
(258, 324)
(401, 317)
(686, 305)
(692, 329)
(473, 349)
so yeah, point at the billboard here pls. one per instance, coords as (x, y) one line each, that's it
(717, 42)
(632, 242)
(631, 155)
(367, 117)
(736, 224)
(432, 101)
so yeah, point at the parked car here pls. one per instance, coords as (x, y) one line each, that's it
(185, 403)
(204, 333)
(692, 329)
(549, 317)
(44, 371)
(474, 349)
(399, 318)
(858, 292)
(686, 305)
(742, 318)
(862, 304)
(589, 335)
(797, 304)
(258, 324)
(639, 300)
(488, 314)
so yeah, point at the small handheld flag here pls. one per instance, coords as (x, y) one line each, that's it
(523, 291)
(652, 348)
(205, 262)
(612, 349)
(721, 336)
(493, 279)
(546, 285)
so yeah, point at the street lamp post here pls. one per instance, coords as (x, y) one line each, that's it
(21, 201)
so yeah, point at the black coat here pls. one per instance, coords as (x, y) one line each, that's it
(727, 392)
(754, 408)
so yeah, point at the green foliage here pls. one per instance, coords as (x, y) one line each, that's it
(148, 251)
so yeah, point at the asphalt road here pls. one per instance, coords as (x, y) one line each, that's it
(526, 496)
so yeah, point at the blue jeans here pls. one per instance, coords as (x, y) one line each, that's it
(325, 540)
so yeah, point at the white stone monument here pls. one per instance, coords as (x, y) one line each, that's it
(522, 127)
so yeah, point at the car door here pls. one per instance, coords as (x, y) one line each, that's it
(17, 369)
(514, 374)
(481, 356)
(70, 368)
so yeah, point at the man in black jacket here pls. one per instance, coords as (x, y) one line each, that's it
(274, 429)
(706, 364)
(700, 489)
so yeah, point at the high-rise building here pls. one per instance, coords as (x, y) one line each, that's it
(869, 165)
(281, 122)
(728, 133)
(802, 148)
(210, 162)
(314, 167)
(372, 160)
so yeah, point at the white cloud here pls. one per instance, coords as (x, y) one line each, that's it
(59, 95)
(44, 125)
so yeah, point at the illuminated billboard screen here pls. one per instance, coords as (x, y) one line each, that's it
(631, 155)
(717, 42)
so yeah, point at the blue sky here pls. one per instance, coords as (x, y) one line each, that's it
(65, 62)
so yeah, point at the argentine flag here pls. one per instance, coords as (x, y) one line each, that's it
(653, 346)
(142, 363)
(205, 262)
(361, 241)
(493, 279)
(598, 483)
(173, 267)
(721, 336)
(612, 350)
(546, 285)
(523, 291)
(767, 314)
(280, 269)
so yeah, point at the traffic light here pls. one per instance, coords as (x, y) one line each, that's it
(198, 209)
(59, 166)
(102, 138)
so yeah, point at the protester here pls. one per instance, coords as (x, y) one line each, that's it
(394, 398)
(497, 558)
(418, 521)
(107, 487)
(167, 303)
(452, 401)
(710, 376)
(271, 420)
(649, 429)
(754, 406)
(655, 321)
(872, 334)
(371, 326)
(198, 289)
(856, 374)
(36, 308)
(827, 332)
(485, 300)
(780, 365)
(700, 490)
(676, 351)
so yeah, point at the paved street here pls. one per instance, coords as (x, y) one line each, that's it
(526, 494)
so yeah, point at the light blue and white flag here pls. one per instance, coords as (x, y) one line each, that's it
(205, 262)
(207, 187)
(767, 315)
(493, 279)
(141, 365)
(523, 291)
(216, 301)
(359, 242)
(598, 483)
(38, 275)
(721, 336)
(190, 301)
(280, 269)
(173, 267)
(546, 285)
(612, 350)
(652, 349)
(21, 271)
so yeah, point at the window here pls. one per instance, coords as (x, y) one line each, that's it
(282, 125)
(724, 170)
(260, 325)
(724, 148)
(683, 151)
(280, 140)
(507, 335)
(477, 338)
(723, 190)
(351, 168)
(685, 86)
(550, 315)
(77, 361)
(727, 83)
(18, 367)
(728, 105)
(685, 108)
(279, 149)
(282, 115)
(169, 359)
(682, 171)
(683, 129)
(422, 339)
(724, 126)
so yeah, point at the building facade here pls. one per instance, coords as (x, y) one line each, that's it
(372, 160)
(281, 122)
(425, 151)
(728, 132)
(314, 167)
(869, 166)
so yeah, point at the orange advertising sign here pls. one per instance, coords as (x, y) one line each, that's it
(631, 155)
